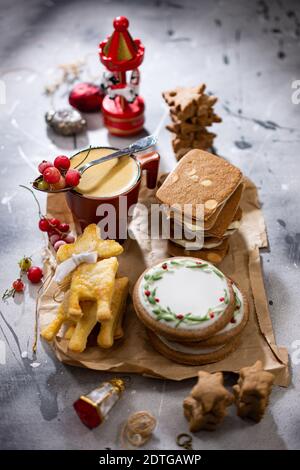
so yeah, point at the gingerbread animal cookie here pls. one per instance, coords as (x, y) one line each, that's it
(90, 240)
(92, 292)
(93, 282)
(207, 404)
(252, 391)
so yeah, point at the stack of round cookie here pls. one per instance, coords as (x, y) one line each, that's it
(193, 313)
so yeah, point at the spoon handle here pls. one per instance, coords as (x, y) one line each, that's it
(111, 156)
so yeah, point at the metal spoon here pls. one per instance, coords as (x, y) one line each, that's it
(136, 147)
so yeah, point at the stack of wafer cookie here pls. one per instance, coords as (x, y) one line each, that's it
(201, 198)
(193, 313)
(191, 111)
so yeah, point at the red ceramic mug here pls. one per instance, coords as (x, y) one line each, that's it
(87, 209)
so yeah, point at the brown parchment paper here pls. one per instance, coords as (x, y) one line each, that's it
(134, 353)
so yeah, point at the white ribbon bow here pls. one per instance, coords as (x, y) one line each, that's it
(66, 267)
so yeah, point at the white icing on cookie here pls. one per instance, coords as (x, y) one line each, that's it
(184, 293)
(238, 312)
(179, 347)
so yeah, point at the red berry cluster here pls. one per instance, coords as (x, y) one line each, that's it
(58, 175)
(58, 232)
(34, 275)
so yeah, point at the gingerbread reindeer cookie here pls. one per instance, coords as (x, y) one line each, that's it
(206, 406)
(252, 391)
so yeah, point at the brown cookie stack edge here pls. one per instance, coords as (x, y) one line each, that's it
(209, 180)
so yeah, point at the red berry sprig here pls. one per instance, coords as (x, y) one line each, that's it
(58, 231)
(58, 175)
(34, 274)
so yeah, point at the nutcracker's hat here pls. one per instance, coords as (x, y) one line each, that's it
(120, 52)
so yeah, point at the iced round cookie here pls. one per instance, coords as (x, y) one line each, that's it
(235, 326)
(184, 354)
(184, 299)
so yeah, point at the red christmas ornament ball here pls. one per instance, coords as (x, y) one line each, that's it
(86, 97)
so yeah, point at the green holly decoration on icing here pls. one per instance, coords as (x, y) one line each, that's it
(165, 313)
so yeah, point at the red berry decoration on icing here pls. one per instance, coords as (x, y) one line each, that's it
(72, 178)
(147, 293)
(212, 315)
(62, 163)
(221, 299)
(164, 266)
(51, 175)
(63, 227)
(44, 165)
(156, 299)
(34, 274)
(233, 320)
(198, 262)
(18, 285)
(237, 307)
(44, 225)
(179, 316)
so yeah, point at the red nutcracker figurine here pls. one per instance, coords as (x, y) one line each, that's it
(122, 107)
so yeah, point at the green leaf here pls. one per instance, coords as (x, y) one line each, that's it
(156, 277)
(218, 273)
(197, 319)
(198, 266)
(146, 277)
(151, 300)
(157, 311)
(167, 317)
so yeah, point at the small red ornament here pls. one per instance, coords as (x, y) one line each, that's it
(233, 320)
(156, 299)
(86, 97)
(179, 316)
(147, 293)
(34, 274)
(221, 299)
(212, 315)
(164, 266)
